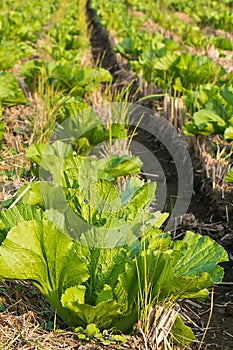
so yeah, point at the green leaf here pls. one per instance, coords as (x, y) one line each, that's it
(82, 336)
(105, 294)
(115, 233)
(139, 201)
(101, 305)
(177, 86)
(201, 258)
(37, 251)
(208, 122)
(132, 185)
(165, 62)
(92, 330)
(228, 134)
(231, 121)
(11, 217)
(205, 116)
(78, 329)
(100, 199)
(31, 71)
(10, 93)
(117, 166)
(35, 152)
(2, 306)
(128, 45)
(84, 314)
(7, 202)
(84, 130)
(118, 338)
(190, 129)
(2, 129)
(227, 95)
(182, 334)
(190, 266)
(73, 293)
(105, 266)
(11, 52)
(229, 176)
(126, 291)
(98, 75)
(31, 193)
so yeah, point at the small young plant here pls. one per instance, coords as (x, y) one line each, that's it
(104, 337)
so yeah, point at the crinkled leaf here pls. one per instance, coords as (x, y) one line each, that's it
(92, 330)
(67, 77)
(139, 201)
(100, 199)
(190, 266)
(204, 255)
(101, 314)
(105, 266)
(11, 217)
(104, 301)
(36, 152)
(165, 62)
(114, 233)
(105, 294)
(37, 251)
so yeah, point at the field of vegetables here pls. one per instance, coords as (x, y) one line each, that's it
(116, 177)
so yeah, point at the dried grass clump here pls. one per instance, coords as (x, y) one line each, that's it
(216, 159)
(25, 332)
(157, 328)
(173, 109)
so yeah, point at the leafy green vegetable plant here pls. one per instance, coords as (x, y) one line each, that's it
(67, 78)
(215, 118)
(90, 247)
(105, 338)
(11, 53)
(10, 93)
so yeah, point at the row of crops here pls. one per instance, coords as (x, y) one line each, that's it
(205, 87)
(80, 228)
(44, 52)
(174, 54)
